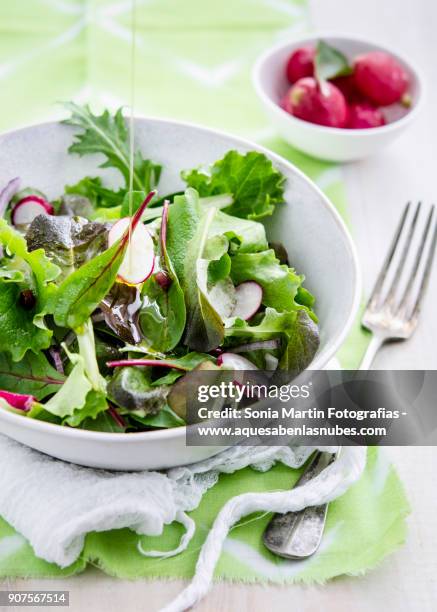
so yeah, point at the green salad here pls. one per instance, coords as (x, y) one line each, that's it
(108, 297)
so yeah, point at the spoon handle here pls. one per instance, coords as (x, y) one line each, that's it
(297, 535)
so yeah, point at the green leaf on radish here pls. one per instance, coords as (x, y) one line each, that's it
(330, 63)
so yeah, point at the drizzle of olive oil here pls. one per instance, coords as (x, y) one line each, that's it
(131, 122)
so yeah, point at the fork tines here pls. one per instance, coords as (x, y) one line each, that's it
(387, 293)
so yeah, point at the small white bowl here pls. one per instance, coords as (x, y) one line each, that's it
(333, 144)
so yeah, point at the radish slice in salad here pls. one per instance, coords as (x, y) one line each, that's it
(249, 297)
(232, 361)
(139, 260)
(30, 207)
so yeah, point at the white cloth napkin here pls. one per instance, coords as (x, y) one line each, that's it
(55, 504)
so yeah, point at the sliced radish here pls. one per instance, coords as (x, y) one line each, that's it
(139, 259)
(30, 207)
(232, 361)
(249, 296)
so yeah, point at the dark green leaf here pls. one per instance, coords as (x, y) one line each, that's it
(165, 419)
(102, 422)
(81, 292)
(32, 375)
(109, 135)
(183, 220)
(99, 196)
(163, 313)
(190, 361)
(302, 345)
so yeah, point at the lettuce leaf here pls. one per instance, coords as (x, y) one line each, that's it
(204, 330)
(83, 394)
(24, 297)
(244, 236)
(256, 186)
(279, 282)
(297, 331)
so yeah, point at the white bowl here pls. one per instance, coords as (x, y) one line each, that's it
(309, 226)
(332, 144)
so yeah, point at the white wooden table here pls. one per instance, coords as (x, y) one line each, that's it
(377, 189)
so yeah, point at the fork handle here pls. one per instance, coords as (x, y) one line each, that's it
(373, 347)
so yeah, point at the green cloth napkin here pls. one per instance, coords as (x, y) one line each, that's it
(193, 63)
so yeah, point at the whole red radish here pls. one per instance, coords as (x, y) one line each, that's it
(363, 115)
(322, 104)
(300, 64)
(381, 78)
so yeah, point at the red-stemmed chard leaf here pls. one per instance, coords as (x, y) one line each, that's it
(81, 292)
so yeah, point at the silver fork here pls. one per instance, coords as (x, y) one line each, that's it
(392, 314)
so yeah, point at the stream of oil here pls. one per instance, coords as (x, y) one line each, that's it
(132, 122)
